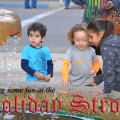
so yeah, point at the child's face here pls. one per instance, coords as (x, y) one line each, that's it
(95, 38)
(35, 38)
(81, 40)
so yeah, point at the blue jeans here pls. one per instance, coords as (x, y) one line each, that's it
(27, 4)
(67, 3)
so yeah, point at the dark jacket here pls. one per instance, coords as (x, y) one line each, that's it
(116, 4)
(110, 51)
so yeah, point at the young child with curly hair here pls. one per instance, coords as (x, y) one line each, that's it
(81, 57)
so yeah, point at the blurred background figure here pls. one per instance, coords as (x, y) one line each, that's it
(67, 3)
(112, 4)
(33, 4)
(99, 9)
(112, 12)
(77, 2)
(61, 1)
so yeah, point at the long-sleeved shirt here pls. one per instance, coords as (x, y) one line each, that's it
(110, 51)
(36, 60)
(116, 4)
(82, 62)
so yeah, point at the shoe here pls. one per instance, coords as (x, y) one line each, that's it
(66, 8)
(34, 7)
(83, 7)
(27, 7)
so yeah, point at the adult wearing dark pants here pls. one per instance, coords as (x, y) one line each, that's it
(77, 2)
(33, 4)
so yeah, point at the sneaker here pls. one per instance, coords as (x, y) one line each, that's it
(34, 6)
(66, 8)
(27, 7)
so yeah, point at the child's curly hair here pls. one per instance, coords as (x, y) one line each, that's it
(75, 28)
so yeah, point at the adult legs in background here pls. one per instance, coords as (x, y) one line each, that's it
(34, 3)
(80, 2)
(26, 3)
(83, 3)
(67, 3)
(84, 17)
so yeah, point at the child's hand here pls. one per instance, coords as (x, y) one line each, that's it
(65, 82)
(92, 83)
(39, 75)
(92, 72)
(47, 78)
(99, 91)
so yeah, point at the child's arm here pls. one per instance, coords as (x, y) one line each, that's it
(95, 69)
(108, 56)
(65, 67)
(49, 70)
(65, 72)
(39, 75)
(97, 80)
(95, 62)
(50, 67)
(96, 66)
(26, 68)
(29, 70)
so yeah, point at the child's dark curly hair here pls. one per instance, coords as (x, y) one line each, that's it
(36, 26)
(75, 28)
